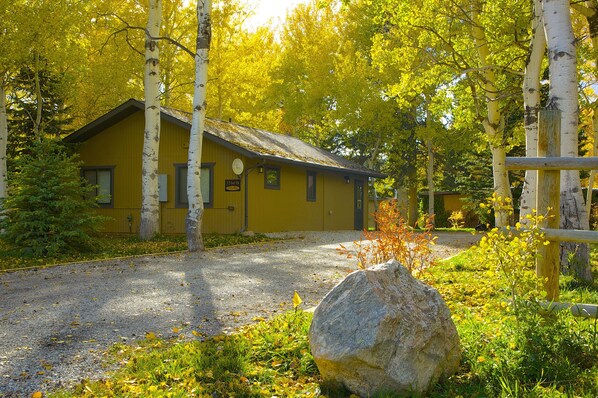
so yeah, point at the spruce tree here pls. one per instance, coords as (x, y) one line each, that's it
(50, 208)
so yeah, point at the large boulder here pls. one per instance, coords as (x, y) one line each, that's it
(382, 330)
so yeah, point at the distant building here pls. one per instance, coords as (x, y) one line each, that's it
(286, 184)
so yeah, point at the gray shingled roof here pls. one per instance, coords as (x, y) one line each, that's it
(248, 141)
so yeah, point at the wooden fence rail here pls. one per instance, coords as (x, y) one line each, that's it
(549, 165)
(552, 163)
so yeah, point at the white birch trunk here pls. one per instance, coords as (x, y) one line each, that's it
(564, 96)
(150, 204)
(37, 122)
(492, 123)
(3, 142)
(594, 153)
(195, 212)
(430, 172)
(590, 11)
(531, 103)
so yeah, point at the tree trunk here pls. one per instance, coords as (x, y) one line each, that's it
(195, 212)
(3, 142)
(38, 131)
(531, 100)
(590, 11)
(150, 204)
(492, 122)
(430, 173)
(592, 177)
(564, 97)
(412, 203)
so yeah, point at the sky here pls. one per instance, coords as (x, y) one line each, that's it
(272, 9)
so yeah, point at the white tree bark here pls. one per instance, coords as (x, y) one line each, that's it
(195, 212)
(150, 204)
(38, 130)
(594, 153)
(564, 96)
(531, 102)
(492, 123)
(430, 175)
(3, 142)
(589, 9)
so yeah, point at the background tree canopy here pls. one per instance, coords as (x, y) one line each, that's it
(386, 83)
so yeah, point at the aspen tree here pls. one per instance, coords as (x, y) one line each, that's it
(196, 208)
(531, 103)
(564, 97)
(150, 205)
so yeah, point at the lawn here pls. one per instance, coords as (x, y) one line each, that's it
(111, 246)
(531, 355)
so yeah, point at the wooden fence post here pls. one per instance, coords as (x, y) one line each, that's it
(548, 196)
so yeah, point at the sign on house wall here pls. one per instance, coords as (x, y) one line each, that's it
(232, 185)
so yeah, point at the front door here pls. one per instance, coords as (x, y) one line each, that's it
(358, 205)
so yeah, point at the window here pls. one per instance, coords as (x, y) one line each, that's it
(101, 178)
(311, 186)
(207, 177)
(271, 177)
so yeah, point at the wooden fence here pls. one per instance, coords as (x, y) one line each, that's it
(549, 164)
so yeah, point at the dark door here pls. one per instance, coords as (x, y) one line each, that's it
(359, 204)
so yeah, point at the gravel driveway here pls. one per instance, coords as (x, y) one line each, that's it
(56, 323)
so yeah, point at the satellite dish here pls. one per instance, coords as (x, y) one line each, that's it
(238, 166)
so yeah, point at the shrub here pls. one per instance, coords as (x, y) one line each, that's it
(457, 219)
(512, 253)
(533, 348)
(49, 208)
(395, 239)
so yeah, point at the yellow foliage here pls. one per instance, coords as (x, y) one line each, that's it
(512, 252)
(296, 300)
(395, 239)
(457, 219)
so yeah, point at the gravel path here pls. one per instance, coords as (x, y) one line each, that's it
(56, 323)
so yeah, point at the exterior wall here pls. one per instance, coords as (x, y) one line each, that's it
(120, 146)
(287, 208)
(453, 202)
(284, 209)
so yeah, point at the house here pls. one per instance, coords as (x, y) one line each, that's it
(251, 179)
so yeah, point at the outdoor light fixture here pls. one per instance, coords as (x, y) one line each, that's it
(260, 169)
(347, 179)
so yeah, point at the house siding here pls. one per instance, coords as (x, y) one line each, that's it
(287, 208)
(284, 209)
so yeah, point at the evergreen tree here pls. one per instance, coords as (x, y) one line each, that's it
(50, 206)
(22, 108)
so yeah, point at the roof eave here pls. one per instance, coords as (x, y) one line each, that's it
(132, 105)
(317, 166)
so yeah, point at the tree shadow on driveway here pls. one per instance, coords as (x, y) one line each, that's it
(56, 323)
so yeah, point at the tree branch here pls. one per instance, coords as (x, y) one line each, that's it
(128, 27)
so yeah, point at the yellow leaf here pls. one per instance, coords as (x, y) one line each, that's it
(150, 336)
(175, 330)
(37, 394)
(296, 300)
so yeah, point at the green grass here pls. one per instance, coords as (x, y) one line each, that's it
(263, 360)
(449, 229)
(110, 246)
(533, 355)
